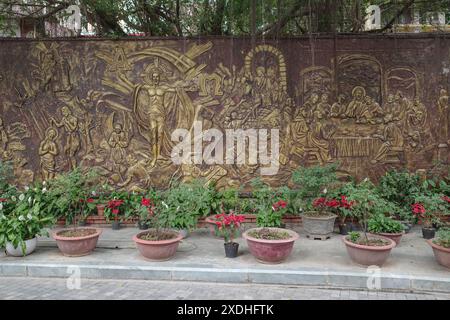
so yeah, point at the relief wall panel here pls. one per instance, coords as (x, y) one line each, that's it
(371, 103)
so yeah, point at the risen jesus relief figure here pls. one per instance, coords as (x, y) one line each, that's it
(159, 106)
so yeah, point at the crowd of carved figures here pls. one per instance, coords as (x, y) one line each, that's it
(114, 108)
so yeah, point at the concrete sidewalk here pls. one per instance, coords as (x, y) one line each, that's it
(200, 257)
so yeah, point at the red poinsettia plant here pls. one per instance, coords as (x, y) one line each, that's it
(87, 207)
(112, 208)
(325, 205)
(427, 209)
(228, 225)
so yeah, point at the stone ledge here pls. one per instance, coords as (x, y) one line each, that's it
(326, 278)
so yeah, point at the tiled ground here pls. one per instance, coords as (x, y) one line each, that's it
(56, 288)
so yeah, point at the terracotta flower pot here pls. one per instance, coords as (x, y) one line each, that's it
(441, 254)
(100, 210)
(369, 255)
(157, 250)
(394, 236)
(270, 251)
(77, 246)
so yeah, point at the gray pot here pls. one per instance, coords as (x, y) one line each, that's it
(318, 227)
(17, 252)
(184, 233)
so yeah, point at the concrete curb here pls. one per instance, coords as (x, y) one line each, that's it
(359, 280)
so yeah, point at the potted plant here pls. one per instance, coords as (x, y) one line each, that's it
(363, 248)
(387, 227)
(269, 244)
(271, 204)
(142, 207)
(69, 192)
(426, 209)
(100, 195)
(112, 212)
(160, 242)
(228, 226)
(441, 246)
(22, 219)
(314, 182)
(224, 201)
(343, 211)
(87, 210)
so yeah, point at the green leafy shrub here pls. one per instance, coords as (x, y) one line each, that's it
(382, 224)
(69, 192)
(400, 187)
(443, 238)
(183, 204)
(270, 204)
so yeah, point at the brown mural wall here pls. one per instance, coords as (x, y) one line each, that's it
(369, 102)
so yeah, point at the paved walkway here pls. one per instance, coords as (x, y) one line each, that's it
(56, 288)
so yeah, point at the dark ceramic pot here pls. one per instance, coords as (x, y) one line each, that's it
(428, 233)
(231, 249)
(344, 229)
(142, 225)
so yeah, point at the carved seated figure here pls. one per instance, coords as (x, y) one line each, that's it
(392, 148)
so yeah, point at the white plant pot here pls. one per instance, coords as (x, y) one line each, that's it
(17, 252)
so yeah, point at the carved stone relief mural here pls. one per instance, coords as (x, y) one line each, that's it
(112, 106)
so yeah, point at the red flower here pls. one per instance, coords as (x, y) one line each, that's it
(3, 199)
(115, 211)
(446, 198)
(282, 203)
(319, 202)
(333, 203)
(90, 200)
(146, 202)
(418, 209)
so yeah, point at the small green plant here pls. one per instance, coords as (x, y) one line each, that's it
(379, 223)
(354, 236)
(443, 237)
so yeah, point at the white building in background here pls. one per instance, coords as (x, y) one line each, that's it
(408, 22)
(23, 23)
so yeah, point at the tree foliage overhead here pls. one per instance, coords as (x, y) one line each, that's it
(218, 17)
